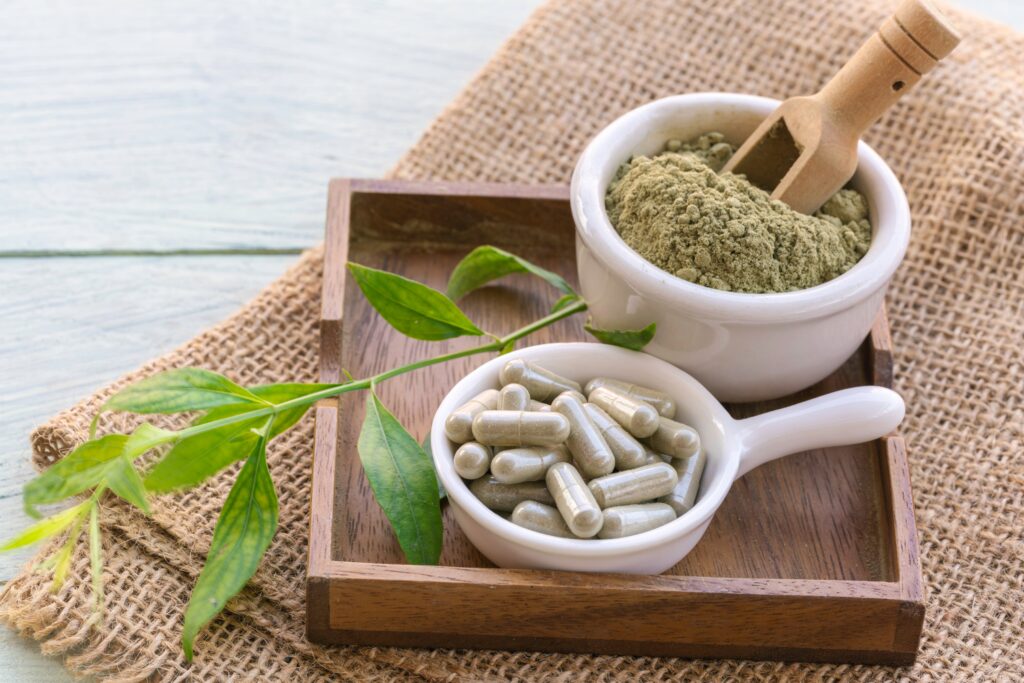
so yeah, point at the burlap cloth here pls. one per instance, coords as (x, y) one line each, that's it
(957, 143)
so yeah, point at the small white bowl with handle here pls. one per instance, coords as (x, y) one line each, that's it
(733, 448)
(742, 347)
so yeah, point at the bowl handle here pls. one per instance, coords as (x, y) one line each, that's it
(843, 417)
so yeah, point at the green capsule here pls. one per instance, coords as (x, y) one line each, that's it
(662, 402)
(542, 384)
(628, 452)
(689, 471)
(675, 438)
(630, 520)
(634, 486)
(640, 419)
(519, 428)
(588, 447)
(540, 517)
(574, 500)
(459, 425)
(513, 397)
(472, 460)
(505, 497)
(516, 465)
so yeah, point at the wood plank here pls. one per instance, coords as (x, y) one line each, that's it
(103, 316)
(216, 125)
(595, 613)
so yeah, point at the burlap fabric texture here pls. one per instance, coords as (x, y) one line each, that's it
(957, 144)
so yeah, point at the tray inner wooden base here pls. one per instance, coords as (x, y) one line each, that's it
(817, 515)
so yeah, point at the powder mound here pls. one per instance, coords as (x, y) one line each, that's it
(720, 231)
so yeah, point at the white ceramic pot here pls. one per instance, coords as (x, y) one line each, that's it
(742, 347)
(733, 448)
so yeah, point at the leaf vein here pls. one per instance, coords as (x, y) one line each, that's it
(420, 541)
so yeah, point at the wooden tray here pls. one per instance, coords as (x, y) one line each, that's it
(812, 557)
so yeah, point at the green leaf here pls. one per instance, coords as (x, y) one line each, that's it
(246, 526)
(145, 437)
(60, 561)
(82, 469)
(62, 558)
(635, 340)
(195, 459)
(403, 481)
(51, 526)
(108, 458)
(178, 390)
(286, 391)
(412, 308)
(123, 479)
(96, 556)
(509, 347)
(485, 264)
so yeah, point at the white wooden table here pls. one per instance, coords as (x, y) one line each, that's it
(162, 161)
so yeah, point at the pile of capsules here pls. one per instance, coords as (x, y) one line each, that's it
(609, 464)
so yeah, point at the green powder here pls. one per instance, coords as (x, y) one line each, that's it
(720, 231)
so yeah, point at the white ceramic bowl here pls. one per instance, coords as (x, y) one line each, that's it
(743, 347)
(733, 448)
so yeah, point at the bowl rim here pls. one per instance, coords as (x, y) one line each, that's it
(458, 492)
(886, 200)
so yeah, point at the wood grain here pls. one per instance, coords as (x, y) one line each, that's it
(215, 125)
(797, 542)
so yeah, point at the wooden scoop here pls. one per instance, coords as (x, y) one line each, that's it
(806, 149)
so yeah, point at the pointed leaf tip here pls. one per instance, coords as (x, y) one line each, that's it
(412, 308)
(404, 483)
(45, 528)
(486, 264)
(245, 528)
(635, 340)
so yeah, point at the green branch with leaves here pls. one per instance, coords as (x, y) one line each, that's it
(235, 424)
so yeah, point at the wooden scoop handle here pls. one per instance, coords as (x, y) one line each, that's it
(908, 45)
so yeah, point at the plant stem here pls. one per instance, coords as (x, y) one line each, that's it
(338, 389)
